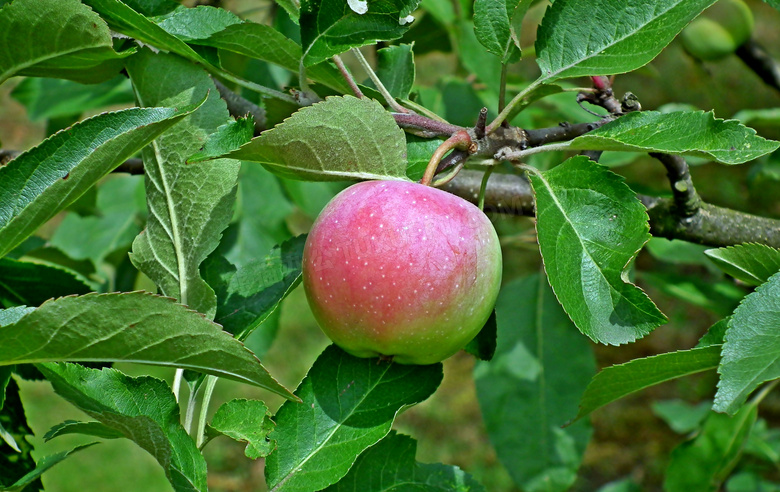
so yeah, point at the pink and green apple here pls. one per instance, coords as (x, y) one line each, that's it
(401, 271)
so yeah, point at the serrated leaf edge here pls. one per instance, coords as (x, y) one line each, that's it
(624, 273)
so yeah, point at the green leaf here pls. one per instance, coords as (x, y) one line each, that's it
(30, 284)
(390, 465)
(493, 25)
(569, 45)
(44, 180)
(532, 385)
(617, 381)
(312, 196)
(189, 204)
(261, 215)
(43, 465)
(483, 346)
(267, 44)
(122, 18)
(14, 314)
(5, 377)
(227, 138)
(537, 93)
(16, 460)
(418, 152)
(750, 352)
(53, 98)
(143, 409)
(721, 297)
(331, 27)
(751, 263)
(763, 116)
(395, 68)
(107, 233)
(96, 429)
(693, 133)
(339, 138)
(5, 435)
(715, 333)
(247, 421)
(682, 416)
(442, 10)
(133, 327)
(292, 8)
(118, 223)
(590, 227)
(704, 462)
(189, 24)
(247, 296)
(77, 44)
(676, 251)
(472, 55)
(348, 405)
(152, 7)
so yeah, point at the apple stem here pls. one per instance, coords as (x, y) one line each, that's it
(459, 140)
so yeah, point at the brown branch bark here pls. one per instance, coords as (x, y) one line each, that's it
(758, 60)
(709, 225)
(239, 107)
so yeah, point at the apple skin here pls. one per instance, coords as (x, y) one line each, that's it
(402, 271)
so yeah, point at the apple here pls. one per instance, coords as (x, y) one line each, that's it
(401, 271)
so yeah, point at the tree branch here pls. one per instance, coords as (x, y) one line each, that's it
(686, 200)
(758, 60)
(239, 106)
(710, 225)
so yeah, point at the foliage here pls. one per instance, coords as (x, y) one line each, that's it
(247, 124)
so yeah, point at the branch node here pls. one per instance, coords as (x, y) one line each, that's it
(479, 128)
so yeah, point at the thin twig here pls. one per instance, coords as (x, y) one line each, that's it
(504, 114)
(519, 155)
(454, 158)
(378, 83)
(256, 87)
(348, 77)
(418, 122)
(483, 187)
(479, 128)
(450, 176)
(239, 106)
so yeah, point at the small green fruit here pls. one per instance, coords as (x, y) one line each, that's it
(719, 30)
(402, 271)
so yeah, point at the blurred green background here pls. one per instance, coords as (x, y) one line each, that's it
(631, 440)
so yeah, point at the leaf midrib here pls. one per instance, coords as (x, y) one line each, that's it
(176, 237)
(596, 53)
(336, 427)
